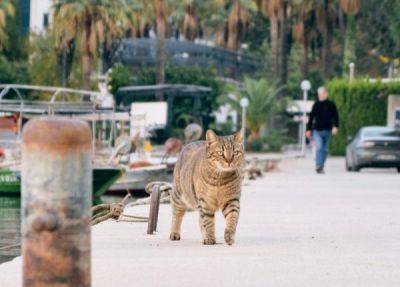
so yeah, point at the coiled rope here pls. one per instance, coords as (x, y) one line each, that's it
(103, 212)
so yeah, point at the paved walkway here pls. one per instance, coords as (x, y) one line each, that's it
(296, 229)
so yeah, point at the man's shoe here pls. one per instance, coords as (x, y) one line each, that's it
(320, 170)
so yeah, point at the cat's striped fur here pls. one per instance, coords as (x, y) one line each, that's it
(207, 178)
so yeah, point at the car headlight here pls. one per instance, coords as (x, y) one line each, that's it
(366, 144)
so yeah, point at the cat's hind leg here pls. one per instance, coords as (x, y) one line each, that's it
(231, 211)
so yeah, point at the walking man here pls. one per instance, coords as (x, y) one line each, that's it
(322, 124)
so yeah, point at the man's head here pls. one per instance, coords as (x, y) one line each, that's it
(322, 94)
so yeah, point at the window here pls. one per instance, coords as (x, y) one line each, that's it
(45, 20)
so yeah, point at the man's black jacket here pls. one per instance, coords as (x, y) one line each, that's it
(324, 116)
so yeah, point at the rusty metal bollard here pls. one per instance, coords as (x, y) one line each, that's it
(56, 202)
(154, 208)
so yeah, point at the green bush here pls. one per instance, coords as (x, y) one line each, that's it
(360, 103)
(275, 139)
(119, 77)
(256, 145)
(43, 67)
(224, 129)
(12, 72)
(272, 141)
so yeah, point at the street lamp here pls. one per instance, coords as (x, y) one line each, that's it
(244, 103)
(351, 72)
(305, 87)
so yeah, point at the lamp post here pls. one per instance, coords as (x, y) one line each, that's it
(305, 87)
(351, 71)
(244, 103)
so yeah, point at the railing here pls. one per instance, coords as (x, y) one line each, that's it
(60, 102)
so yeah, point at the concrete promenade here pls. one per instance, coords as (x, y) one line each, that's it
(297, 228)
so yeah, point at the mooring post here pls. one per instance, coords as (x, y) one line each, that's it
(154, 208)
(56, 202)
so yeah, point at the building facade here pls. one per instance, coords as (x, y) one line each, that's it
(35, 15)
(40, 15)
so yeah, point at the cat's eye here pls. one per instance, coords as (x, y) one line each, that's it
(236, 152)
(220, 153)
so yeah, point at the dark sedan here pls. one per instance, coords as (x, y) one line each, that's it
(374, 147)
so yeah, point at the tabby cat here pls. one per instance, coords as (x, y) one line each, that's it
(208, 177)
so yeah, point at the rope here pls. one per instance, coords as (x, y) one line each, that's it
(165, 188)
(10, 246)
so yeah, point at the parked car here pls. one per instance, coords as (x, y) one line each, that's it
(374, 147)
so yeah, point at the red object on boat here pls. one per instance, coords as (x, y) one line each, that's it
(2, 153)
(173, 146)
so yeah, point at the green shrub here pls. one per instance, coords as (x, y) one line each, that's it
(275, 139)
(256, 145)
(43, 68)
(224, 129)
(360, 103)
(272, 141)
(119, 77)
(12, 72)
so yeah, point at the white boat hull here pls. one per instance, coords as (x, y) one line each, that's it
(137, 179)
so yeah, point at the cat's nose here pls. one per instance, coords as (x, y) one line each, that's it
(228, 157)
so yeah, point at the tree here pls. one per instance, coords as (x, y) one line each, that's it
(237, 23)
(87, 21)
(6, 9)
(159, 9)
(156, 11)
(351, 8)
(325, 12)
(301, 30)
(189, 26)
(272, 9)
(264, 102)
(225, 18)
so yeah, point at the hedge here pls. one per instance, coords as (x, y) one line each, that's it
(360, 103)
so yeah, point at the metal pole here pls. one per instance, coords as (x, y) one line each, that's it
(154, 208)
(351, 71)
(56, 201)
(304, 128)
(244, 127)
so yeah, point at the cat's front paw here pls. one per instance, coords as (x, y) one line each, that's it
(174, 236)
(209, 241)
(229, 237)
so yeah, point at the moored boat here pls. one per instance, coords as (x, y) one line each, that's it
(103, 178)
(136, 179)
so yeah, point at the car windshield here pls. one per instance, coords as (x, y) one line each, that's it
(381, 133)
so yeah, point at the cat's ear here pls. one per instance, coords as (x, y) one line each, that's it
(211, 137)
(239, 135)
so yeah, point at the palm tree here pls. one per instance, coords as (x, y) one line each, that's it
(237, 23)
(325, 12)
(189, 26)
(160, 14)
(157, 11)
(272, 9)
(351, 8)
(6, 8)
(264, 102)
(89, 22)
(301, 31)
(227, 20)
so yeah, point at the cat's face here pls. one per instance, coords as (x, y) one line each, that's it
(225, 153)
